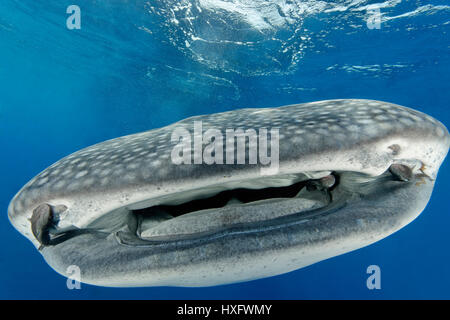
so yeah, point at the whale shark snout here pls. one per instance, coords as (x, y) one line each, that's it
(350, 172)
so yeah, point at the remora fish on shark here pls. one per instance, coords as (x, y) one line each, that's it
(351, 172)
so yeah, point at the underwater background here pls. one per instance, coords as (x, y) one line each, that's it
(138, 65)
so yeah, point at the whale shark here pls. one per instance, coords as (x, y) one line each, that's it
(350, 172)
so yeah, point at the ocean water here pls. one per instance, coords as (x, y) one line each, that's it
(138, 65)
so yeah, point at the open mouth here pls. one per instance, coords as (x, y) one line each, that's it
(246, 206)
(227, 209)
(242, 209)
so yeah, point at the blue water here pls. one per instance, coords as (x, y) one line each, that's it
(134, 66)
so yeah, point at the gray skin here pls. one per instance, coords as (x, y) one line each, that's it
(366, 169)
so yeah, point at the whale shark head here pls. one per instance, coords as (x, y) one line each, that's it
(127, 213)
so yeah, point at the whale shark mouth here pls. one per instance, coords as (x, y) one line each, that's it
(245, 206)
(208, 214)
